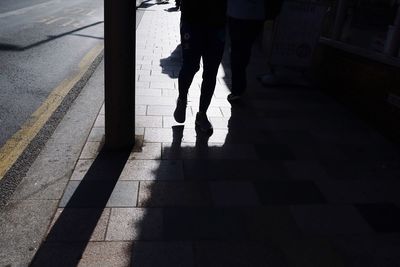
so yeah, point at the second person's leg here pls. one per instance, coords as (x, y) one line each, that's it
(191, 53)
(212, 56)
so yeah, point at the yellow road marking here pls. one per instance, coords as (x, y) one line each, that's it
(16, 145)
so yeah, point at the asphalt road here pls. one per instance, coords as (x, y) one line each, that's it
(41, 44)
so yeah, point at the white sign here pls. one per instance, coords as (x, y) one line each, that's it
(297, 32)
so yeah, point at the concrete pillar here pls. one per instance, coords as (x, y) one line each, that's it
(119, 29)
(339, 19)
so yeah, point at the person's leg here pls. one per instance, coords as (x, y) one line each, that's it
(212, 55)
(191, 53)
(242, 34)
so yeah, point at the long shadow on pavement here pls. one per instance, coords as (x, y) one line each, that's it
(73, 229)
(12, 47)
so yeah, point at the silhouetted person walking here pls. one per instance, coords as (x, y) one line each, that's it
(245, 21)
(202, 30)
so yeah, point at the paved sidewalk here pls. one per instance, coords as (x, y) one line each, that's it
(290, 178)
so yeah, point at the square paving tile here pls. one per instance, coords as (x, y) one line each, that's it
(273, 223)
(370, 250)
(116, 254)
(81, 168)
(305, 170)
(234, 193)
(90, 150)
(95, 193)
(211, 151)
(288, 192)
(74, 224)
(134, 224)
(147, 151)
(174, 194)
(124, 194)
(311, 252)
(330, 220)
(357, 169)
(185, 224)
(152, 170)
(383, 217)
(168, 254)
(234, 169)
(148, 121)
(274, 152)
(96, 134)
(360, 191)
(239, 254)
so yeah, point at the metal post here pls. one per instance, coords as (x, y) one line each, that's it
(339, 19)
(119, 29)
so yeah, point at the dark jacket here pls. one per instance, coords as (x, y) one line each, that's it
(272, 8)
(210, 12)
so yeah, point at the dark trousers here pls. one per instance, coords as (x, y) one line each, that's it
(243, 34)
(206, 42)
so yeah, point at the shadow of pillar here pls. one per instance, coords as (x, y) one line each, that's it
(72, 231)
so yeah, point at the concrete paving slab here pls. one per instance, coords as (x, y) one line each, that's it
(46, 179)
(166, 110)
(84, 254)
(274, 192)
(142, 170)
(216, 151)
(100, 121)
(174, 194)
(90, 150)
(238, 254)
(273, 223)
(81, 168)
(360, 191)
(148, 151)
(68, 230)
(168, 254)
(135, 224)
(234, 169)
(371, 250)
(148, 121)
(116, 254)
(124, 194)
(330, 220)
(234, 194)
(96, 134)
(23, 226)
(41, 188)
(311, 252)
(306, 170)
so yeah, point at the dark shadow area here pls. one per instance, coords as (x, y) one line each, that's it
(72, 230)
(11, 47)
(89, 36)
(293, 182)
(146, 4)
(172, 9)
